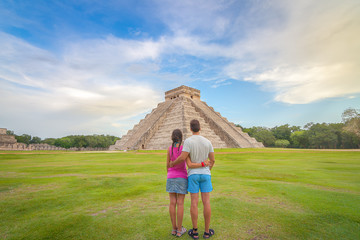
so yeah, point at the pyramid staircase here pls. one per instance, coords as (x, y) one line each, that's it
(183, 104)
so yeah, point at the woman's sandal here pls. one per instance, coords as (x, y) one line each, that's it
(192, 234)
(173, 232)
(209, 234)
(180, 233)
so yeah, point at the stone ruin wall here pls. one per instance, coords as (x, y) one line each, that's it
(23, 147)
(9, 143)
(43, 146)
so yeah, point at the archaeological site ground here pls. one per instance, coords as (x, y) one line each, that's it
(259, 193)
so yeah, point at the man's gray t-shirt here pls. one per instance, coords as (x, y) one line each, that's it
(198, 148)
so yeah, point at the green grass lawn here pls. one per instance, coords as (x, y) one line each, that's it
(258, 194)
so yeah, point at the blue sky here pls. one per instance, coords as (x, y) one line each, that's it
(97, 67)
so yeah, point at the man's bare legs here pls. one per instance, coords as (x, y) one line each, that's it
(194, 209)
(205, 197)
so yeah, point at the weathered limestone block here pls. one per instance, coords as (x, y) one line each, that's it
(3, 131)
(7, 139)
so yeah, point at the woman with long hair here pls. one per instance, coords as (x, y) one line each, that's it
(176, 184)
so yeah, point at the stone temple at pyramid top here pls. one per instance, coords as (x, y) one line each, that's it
(181, 105)
(182, 91)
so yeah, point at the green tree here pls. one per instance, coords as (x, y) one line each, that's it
(349, 114)
(282, 143)
(251, 131)
(308, 125)
(295, 128)
(282, 132)
(64, 142)
(266, 137)
(349, 140)
(50, 141)
(321, 136)
(299, 139)
(35, 140)
(80, 141)
(9, 132)
(337, 129)
(351, 118)
(91, 141)
(25, 138)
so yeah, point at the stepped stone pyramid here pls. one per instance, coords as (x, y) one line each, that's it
(181, 105)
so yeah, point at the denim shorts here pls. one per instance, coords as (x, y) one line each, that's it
(200, 182)
(177, 185)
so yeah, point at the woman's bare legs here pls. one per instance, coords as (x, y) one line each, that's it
(172, 210)
(180, 210)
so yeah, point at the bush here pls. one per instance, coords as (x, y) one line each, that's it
(282, 143)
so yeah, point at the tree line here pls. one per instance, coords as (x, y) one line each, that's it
(312, 135)
(78, 141)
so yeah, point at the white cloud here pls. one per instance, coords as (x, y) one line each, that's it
(312, 56)
(110, 51)
(204, 17)
(303, 51)
(309, 84)
(78, 85)
(219, 83)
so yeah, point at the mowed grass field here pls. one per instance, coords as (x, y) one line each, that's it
(258, 194)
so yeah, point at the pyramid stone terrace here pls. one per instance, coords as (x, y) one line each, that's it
(181, 105)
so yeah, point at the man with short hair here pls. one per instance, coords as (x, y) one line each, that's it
(199, 178)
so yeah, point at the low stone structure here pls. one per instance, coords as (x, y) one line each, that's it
(181, 105)
(6, 139)
(9, 143)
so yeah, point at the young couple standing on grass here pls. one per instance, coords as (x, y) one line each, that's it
(195, 152)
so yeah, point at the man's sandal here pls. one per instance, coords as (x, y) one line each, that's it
(192, 234)
(209, 234)
(180, 233)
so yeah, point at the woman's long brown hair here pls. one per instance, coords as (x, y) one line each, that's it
(176, 137)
